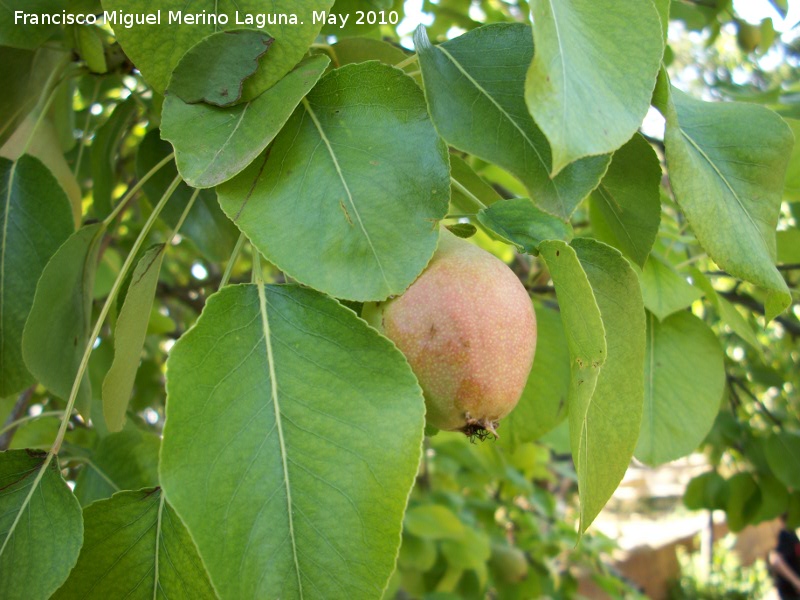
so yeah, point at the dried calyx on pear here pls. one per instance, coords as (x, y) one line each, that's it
(468, 330)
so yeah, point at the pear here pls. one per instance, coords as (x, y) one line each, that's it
(468, 330)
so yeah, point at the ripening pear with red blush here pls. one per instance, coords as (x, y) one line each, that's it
(468, 330)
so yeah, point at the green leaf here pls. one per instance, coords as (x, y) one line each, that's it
(214, 70)
(476, 187)
(35, 219)
(27, 35)
(433, 522)
(586, 340)
(58, 327)
(206, 225)
(104, 154)
(470, 552)
(16, 69)
(584, 100)
(543, 404)
(774, 498)
(744, 500)
(416, 554)
(129, 337)
(135, 546)
(628, 199)
(519, 222)
(783, 456)
(708, 491)
(292, 440)
(791, 185)
(90, 45)
(380, 184)
(664, 291)
(684, 380)
(41, 528)
(359, 49)
(604, 428)
(212, 144)
(727, 163)
(127, 460)
(474, 86)
(157, 49)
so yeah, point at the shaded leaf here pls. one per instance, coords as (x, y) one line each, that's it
(135, 546)
(381, 182)
(727, 162)
(543, 404)
(58, 327)
(206, 225)
(744, 500)
(359, 49)
(585, 102)
(519, 222)
(212, 144)
(127, 460)
(789, 246)
(36, 219)
(104, 154)
(684, 382)
(708, 491)
(474, 87)
(319, 411)
(40, 525)
(129, 337)
(628, 199)
(214, 69)
(783, 456)
(474, 184)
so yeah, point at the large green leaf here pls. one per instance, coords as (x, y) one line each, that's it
(684, 381)
(127, 460)
(664, 290)
(41, 528)
(157, 49)
(206, 225)
(213, 144)
(359, 49)
(628, 199)
(708, 490)
(214, 69)
(783, 456)
(16, 68)
(585, 99)
(26, 34)
(604, 429)
(727, 163)
(347, 198)
(292, 439)
(543, 404)
(58, 326)
(135, 546)
(474, 86)
(129, 337)
(35, 219)
(520, 223)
